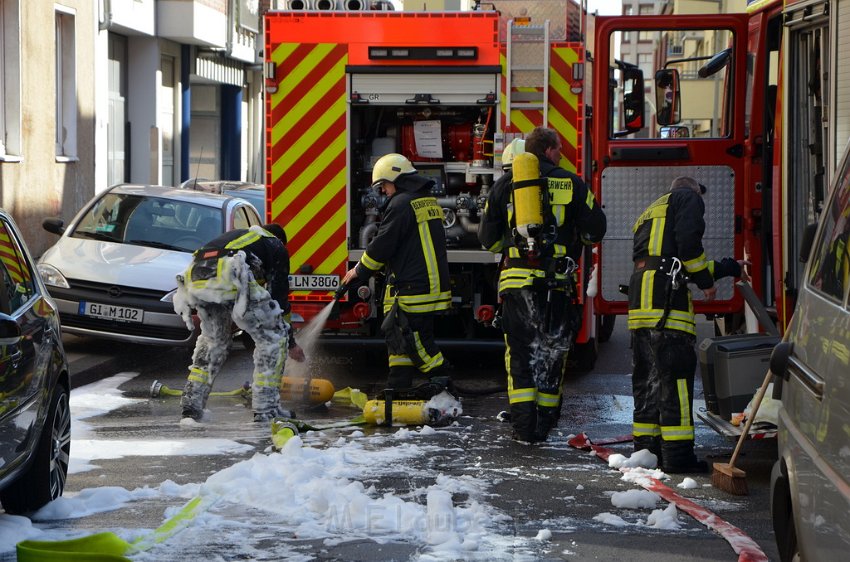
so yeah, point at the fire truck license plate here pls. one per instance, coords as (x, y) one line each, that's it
(313, 282)
(112, 312)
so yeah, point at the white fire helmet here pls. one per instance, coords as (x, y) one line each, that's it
(389, 167)
(516, 146)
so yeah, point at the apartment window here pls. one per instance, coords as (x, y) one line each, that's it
(646, 10)
(627, 35)
(10, 81)
(66, 86)
(646, 64)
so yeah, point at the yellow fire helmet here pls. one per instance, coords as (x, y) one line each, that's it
(389, 167)
(516, 146)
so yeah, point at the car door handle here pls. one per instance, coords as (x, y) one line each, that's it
(810, 380)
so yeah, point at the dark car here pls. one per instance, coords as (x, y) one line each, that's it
(35, 418)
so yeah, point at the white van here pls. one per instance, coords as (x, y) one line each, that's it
(810, 484)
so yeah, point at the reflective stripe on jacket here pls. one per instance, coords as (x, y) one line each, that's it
(672, 226)
(411, 246)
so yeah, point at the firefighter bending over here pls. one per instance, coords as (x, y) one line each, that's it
(243, 277)
(539, 217)
(668, 254)
(410, 246)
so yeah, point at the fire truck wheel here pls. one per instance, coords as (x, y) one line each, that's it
(605, 327)
(582, 357)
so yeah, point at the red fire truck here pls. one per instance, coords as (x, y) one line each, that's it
(447, 90)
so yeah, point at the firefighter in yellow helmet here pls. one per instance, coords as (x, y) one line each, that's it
(536, 282)
(516, 146)
(668, 254)
(410, 248)
(240, 277)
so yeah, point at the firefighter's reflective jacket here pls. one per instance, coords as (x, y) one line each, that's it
(410, 246)
(265, 254)
(572, 219)
(671, 227)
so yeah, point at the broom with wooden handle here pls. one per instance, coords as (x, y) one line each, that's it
(726, 476)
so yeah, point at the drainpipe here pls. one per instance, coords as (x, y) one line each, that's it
(105, 15)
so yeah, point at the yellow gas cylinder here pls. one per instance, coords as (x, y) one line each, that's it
(404, 412)
(527, 197)
(315, 391)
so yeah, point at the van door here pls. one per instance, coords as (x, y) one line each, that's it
(814, 422)
(669, 96)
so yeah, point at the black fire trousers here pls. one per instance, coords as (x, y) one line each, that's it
(412, 350)
(663, 385)
(538, 329)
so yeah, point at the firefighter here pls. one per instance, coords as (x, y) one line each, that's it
(410, 247)
(668, 254)
(516, 146)
(239, 277)
(539, 217)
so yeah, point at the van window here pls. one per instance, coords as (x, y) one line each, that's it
(831, 269)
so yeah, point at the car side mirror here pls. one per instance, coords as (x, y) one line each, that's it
(668, 97)
(9, 329)
(779, 359)
(715, 63)
(54, 225)
(633, 101)
(807, 241)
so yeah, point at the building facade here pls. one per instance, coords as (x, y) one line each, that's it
(143, 91)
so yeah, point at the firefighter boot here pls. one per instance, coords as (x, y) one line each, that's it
(194, 399)
(401, 377)
(679, 458)
(547, 418)
(400, 383)
(442, 377)
(265, 401)
(653, 444)
(524, 422)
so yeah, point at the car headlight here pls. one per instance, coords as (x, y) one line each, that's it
(52, 276)
(169, 297)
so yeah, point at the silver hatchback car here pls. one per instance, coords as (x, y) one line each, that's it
(810, 484)
(113, 270)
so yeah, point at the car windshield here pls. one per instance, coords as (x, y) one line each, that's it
(150, 221)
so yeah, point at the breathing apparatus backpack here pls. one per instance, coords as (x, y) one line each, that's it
(532, 222)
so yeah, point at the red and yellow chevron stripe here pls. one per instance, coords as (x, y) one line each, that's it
(566, 108)
(11, 258)
(306, 150)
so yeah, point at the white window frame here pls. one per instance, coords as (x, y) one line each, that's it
(10, 81)
(66, 84)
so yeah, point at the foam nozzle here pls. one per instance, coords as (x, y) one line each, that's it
(340, 292)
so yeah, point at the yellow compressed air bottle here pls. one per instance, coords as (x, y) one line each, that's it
(404, 412)
(527, 197)
(314, 391)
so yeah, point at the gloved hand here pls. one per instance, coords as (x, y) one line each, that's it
(728, 267)
(296, 353)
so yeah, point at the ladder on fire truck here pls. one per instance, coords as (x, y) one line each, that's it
(527, 79)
